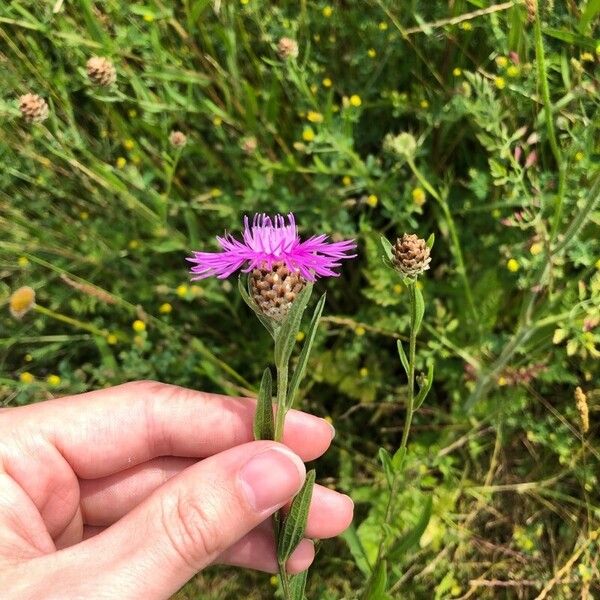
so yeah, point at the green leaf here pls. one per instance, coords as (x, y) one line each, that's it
(263, 417)
(592, 9)
(425, 389)
(305, 353)
(387, 248)
(398, 459)
(294, 525)
(386, 461)
(378, 583)
(403, 357)
(285, 336)
(297, 586)
(411, 538)
(419, 310)
(267, 323)
(430, 241)
(350, 536)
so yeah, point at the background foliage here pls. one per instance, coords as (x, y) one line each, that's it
(98, 211)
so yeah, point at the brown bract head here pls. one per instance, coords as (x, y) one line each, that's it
(287, 48)
(411, 255)
(34, 108)
(178, 139)
(101, 71)
(274, 290)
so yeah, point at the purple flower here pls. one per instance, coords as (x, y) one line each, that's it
(268, 241)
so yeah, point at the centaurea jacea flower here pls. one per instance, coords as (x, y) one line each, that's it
(280, 263)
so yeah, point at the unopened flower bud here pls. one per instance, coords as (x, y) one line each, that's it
(287, 48)
(411, 255)
(249, 145)
(178, 139)
(101, 71)
(34, 108)
(275, 289)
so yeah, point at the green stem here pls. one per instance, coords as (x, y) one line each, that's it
(455, 240)
(545, 92)
(70, 320)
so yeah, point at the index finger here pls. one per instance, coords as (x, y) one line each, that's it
(106, 431)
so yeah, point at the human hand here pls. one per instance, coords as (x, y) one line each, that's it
(128, 492)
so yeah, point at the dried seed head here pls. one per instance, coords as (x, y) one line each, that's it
(582, 407)
(178, 139)
(531, 6)
(249, 145)
(287, 48)
(411, 255)
(101, 71)
(274, 290)
(21, 301)
(34, 108)
(404, 144)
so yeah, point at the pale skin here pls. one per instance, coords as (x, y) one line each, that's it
(128, 492)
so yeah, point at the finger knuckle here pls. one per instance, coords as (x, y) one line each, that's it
(193, 530)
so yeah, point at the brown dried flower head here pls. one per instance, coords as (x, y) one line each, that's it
(178, 139)
(101, 71)
(582, 407)
(287, 48)
(274, 290)
(21, 301)
(34, 108)
(411, 255)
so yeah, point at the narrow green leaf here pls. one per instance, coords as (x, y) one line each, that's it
(294, 525)
(305, 353)
(378, 583)
(386, 461)
(592, 10)
(264, 428)
(419, 309)
(425, 389)
(298, 585)
(285, 337)
(387, 248)
(403, 357)
(430, 241)
(398, 459)
(350, 536)
(267, 323)
(411, 538)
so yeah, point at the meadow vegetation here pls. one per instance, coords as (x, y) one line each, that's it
(474, 120)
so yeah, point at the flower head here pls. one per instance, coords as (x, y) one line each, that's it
(268, 241)
(21, 301)
(411, 255)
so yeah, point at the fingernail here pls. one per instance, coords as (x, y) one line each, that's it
(272, 477)
(330, 427)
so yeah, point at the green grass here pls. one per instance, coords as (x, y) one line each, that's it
(98, 212)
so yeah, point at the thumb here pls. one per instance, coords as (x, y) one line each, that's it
(188, 522)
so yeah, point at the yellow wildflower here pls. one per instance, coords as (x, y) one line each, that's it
(274, 580)
(165, 308)
(579, 156)
(300, 336)
(53, 380)
(466, 26)
(111, 339)
(327, 11)
(327, 82)
(597, 265)
(133, 244)
(182, 290)
(308, 135)
(138, 326)
(586, 57)
(355, 100)
(360, 331)
(132, 113)
(501, 61)
(148, 18)
(363, 372)
(314, 88)
(23, 261)
(536, 248)
(383, 26)
(372, 200)
(371, 53)
(216, 192)
(128, 144)
(347, 180)
(424, 104)
(28, 357)
(513, 71)
(502, 381)
(26, 377)
(314, 116)
(398, 289)
(512, 265)
(457, 72)
(419, 196)
(121, 162)
(84, 215)
(217, 121)
(500, 83)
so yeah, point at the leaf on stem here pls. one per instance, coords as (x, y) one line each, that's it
(305, 353)
(378, 583)
(294, 525)
(425, 388)
(403, 357)
(297, 586)
(386, 461)
(267, 323)
(263, 417)
(419, 309)
(285, 336)
(412, 537)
